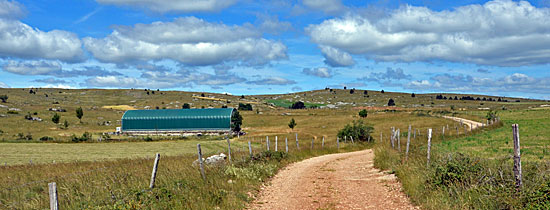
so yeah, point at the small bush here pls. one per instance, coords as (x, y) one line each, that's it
(46, 138)
(56, 118)
(85, 137)
(148, 138)
(12, 112)
(358, 130)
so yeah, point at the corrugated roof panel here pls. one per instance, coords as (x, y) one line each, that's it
(177, 119)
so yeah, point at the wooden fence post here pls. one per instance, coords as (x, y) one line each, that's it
(392, 137)
(414, 136)
(465, 129)
(443, 131)
(399, 140)
(381, 136)
(267, 142)
(52, 188)
(345, 139)
(312, 142)
(229, 149)
(408, 143)
(429, 145)
(351, 137)
(337, 142)
(286, 144)
(323, 143)
(517, 156)
(154, 173)
(276, 143)
(297, 143)
(201, 163)
(250, 148)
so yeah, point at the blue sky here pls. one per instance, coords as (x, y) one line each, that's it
(496, 47)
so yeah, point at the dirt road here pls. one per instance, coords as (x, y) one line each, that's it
(472, 124)
(335, 181)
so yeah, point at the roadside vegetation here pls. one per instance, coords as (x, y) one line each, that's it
(475, 171)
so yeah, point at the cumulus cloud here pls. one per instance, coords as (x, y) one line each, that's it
(516, 82)
(31, 67)
(22, 41)
(318, 72)
(187, 78)
(53, 68)
(11, 9)
(327, 6)
(336, 58)
(500, 33)
(113, 81)
(273, 81)
(191, 41)
(272, 25)
(51, 81)
(4, 85)
(174, 6)
(389, 75)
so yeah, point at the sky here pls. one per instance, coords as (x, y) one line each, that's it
(245, 47)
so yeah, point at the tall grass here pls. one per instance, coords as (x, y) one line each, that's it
(123, 184)
(455, 180)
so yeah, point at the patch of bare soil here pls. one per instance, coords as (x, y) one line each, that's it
(335, 181)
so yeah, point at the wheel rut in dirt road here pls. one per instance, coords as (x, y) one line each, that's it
(335, 181)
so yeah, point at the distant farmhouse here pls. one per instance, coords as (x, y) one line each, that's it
(179, 121)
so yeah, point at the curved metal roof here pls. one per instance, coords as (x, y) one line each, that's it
(177, 119)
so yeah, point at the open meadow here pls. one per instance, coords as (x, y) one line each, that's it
(113, 173)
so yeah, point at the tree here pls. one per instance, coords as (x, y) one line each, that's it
(4, 98)
(391, 102)
(365, 92)
(363, 113)
(382, 91)
(79, 114)
(298, 105)
(351, 91)
(186, 106)
(292, 124)
(236, 121)
(246, 107)
(56, 118)
(66, 124)
(413, 95)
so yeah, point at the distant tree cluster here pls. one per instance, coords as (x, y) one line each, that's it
(245, 107)
(469, 98)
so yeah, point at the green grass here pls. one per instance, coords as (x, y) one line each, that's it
(497, 143)
(475, 171)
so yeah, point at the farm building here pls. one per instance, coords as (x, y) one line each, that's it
(179, 121)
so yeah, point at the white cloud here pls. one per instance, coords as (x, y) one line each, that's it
(31, 67)
(20, 40)
(389, 75)
(272, 25)
(174, 5)
(60, 86)
(11, 9)
(327, 6)
(516, 82)
(190, 41)
(318, 72)
(4, 85)
(500, 32)
(336, 58)
(273, 81)
(114, 81)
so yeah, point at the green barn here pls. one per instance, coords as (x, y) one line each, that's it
(179, 121)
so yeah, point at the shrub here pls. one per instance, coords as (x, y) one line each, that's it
(46, 138)
(298, 105)
(56, 118)
(186, 106)
(246, 107)
(85, 137)
(292, 124)
(358, 130)
(79, 114)
(12, 112)
(363, 113)
(148, 138)
(391, 102)
(4, 98)
(491, 114)
(413, 95)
